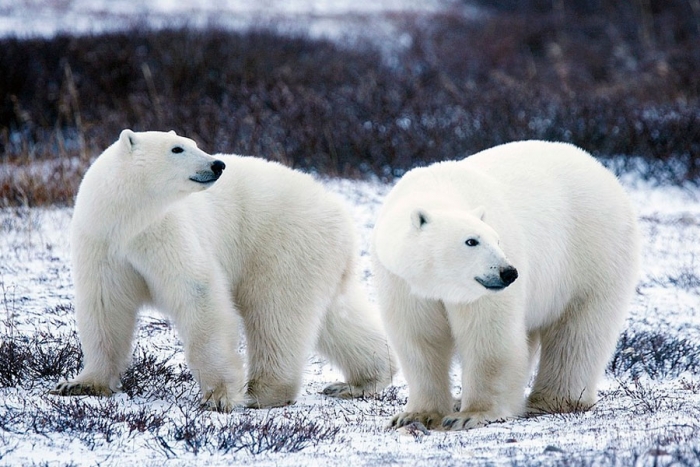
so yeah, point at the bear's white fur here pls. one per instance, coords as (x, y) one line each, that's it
(265, 244)
(446, 246)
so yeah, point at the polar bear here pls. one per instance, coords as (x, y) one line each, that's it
(526, 250)
(159, 222)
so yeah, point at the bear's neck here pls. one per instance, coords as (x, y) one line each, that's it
(112, 212)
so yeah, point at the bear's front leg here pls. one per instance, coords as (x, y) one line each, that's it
(492, 345)
(107, 297)
(209, 329)
(420, 334)
(193, 292)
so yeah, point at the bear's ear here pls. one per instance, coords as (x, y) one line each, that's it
(479, 212)
(172, 132)
(419, 219)
(128, 139)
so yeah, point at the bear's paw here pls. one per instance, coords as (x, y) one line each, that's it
(467, 420)
(257, 403)
(430, 420)
(221, 400)
(542, 404)
(351, 391)
(76, 388)
(269, 393)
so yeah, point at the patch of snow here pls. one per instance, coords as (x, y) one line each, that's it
(328, 18)
(635, 420)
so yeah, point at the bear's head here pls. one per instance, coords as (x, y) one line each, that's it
(167, 165)
(448, 255)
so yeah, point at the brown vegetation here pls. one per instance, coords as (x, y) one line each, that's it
(613, 78)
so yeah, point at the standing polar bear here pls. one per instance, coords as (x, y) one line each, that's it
(526, 248)
(153, 226)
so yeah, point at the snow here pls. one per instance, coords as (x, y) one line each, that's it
(331, 18)
(635, 418)
(638, 421)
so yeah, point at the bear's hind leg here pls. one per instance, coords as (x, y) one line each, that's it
(280, 335)
(574, 353)
(352, 338)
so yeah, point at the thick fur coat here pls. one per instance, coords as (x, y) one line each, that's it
(212, 241)
(521, 257)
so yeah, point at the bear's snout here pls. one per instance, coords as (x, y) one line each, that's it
(217, 167)
(207, 177)
(505, 277)
(508, 275)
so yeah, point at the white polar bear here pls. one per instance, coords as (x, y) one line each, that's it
(266, 243)
(526, 248)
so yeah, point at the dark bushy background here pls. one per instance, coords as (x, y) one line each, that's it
(613, 77)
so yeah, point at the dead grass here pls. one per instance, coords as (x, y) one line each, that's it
(575, 74)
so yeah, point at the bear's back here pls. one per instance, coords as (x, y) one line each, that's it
(556, 181)
(268, 213)
(575, 222)
(265, 191)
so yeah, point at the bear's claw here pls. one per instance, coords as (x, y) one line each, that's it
(220, 400)
(430, 420)
(72, 388)
(342, 390)
(257, 404)
(345, 391)
(220, 406)
(467, 420)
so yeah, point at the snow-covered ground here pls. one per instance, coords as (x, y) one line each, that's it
(639, 418)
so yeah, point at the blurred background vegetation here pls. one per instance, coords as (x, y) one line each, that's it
(618, 78)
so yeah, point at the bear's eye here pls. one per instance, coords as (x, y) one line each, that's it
(177, 150)
(472, 242)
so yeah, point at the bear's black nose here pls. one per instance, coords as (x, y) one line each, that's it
(508, 275)
(217, 167)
